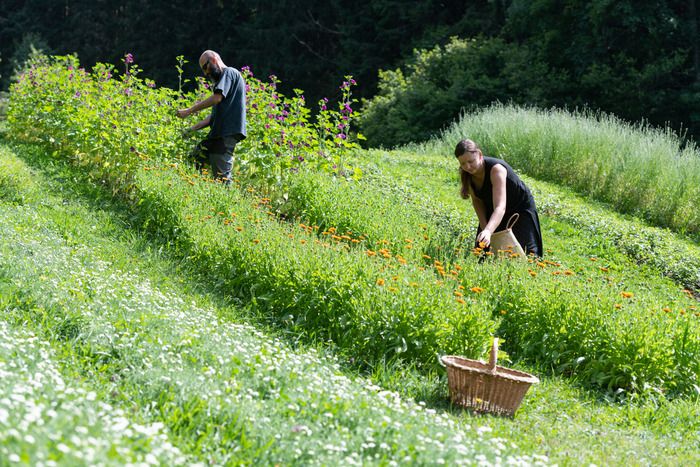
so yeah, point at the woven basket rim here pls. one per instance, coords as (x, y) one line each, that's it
(477, 366)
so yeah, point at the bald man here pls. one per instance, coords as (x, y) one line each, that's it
(227, 120)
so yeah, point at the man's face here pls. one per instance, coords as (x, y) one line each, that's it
(212, 71)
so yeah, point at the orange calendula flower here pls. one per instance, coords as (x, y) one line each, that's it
(604, 269)
(392, 289)
(476, 289)
(458, 294)
(482, 245)
(540, 264)
(239, 228)
(569, 272)
(627, 294)
(426, 257)
(618, 306)
(256, 241)
(460, 287)
(459, 300)
(532, 273)
(594, 259)
(666, 309)
(380, 282)
(556, 273)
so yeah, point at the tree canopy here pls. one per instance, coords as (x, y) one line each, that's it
(637, 59)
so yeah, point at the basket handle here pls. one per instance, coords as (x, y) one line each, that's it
(511, 221)
(494, 355)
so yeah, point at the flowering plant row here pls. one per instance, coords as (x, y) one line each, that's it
(116, 119)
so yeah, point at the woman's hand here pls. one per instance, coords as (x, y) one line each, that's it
(484, 237)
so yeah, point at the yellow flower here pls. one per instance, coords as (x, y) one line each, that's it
(476, 289)
(627, 294)
(380, 282)
(458, 294)
(459, 300)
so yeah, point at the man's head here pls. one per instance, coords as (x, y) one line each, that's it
(211, 64)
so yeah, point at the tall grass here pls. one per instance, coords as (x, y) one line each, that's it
(635, 168)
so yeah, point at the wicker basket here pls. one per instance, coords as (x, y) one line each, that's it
(485, 387)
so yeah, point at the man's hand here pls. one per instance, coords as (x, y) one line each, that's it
(183, 113)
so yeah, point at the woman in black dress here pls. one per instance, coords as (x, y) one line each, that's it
(497, 193)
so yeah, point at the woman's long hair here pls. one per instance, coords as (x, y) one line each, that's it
(464, 146)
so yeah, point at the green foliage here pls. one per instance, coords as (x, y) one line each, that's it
(92, 109)
(444, 81)
(282, 139)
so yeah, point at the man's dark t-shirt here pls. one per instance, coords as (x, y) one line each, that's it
(228, 116)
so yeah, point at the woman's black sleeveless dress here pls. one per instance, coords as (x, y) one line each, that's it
(518, 199)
